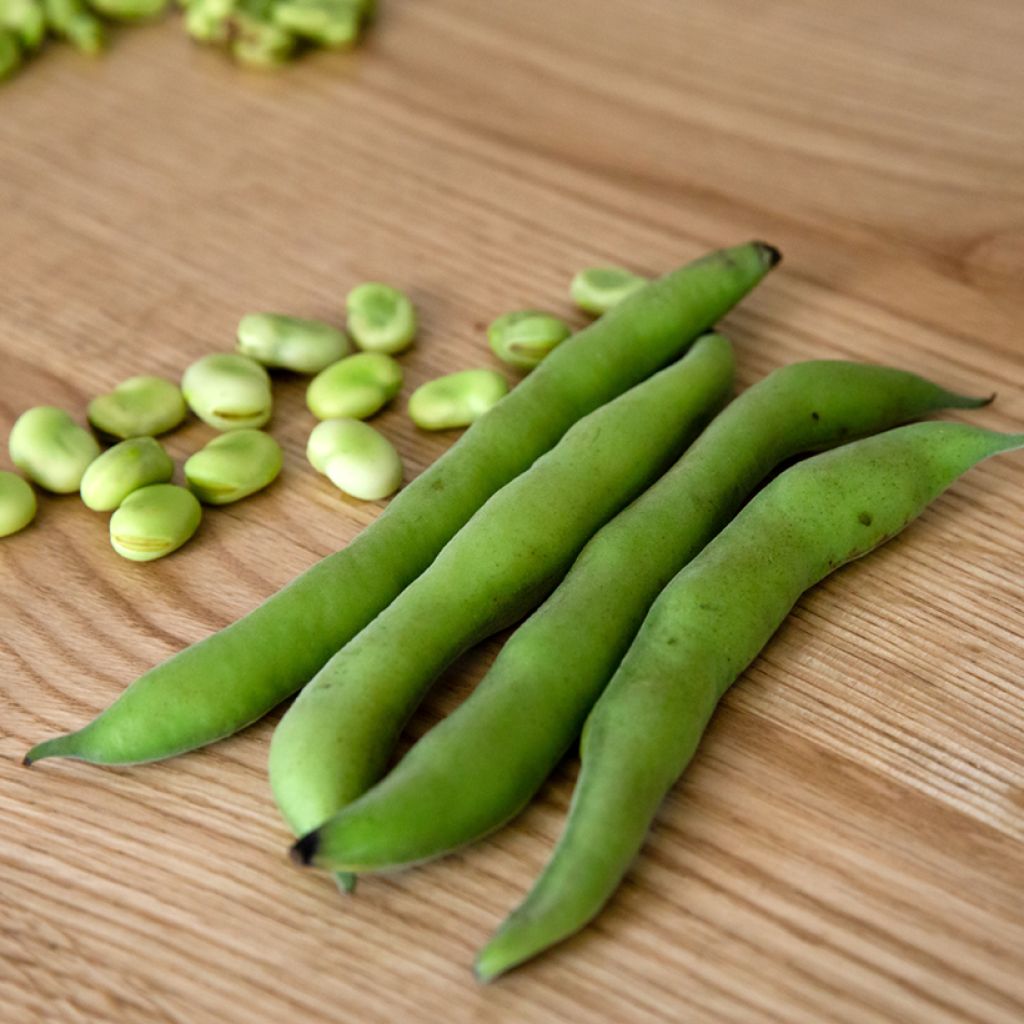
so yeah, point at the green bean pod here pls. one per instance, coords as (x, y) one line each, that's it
(702, 632)
(481, 765)
(335, 740)
(233, 677)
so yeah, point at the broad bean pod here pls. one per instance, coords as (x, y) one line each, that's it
(480, 765)
(335, 740)
(233, 677)
(706, 627)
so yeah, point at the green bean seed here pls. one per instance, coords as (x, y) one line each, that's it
(51, 449)
(154, 521)
(128, 10)
(380, 318)
(209, 21)
(137, 462)
(10, 53)
(256, 41)
(138, 407)
(233, 677)
(524, 338)
(228, 391)
(337, 737)
(260, 44)
(355, 458)
(599, 289)
(332, 23)
(356, 387)
(73, 20)
(26, 20)
(456, 400)
(234, 466)
(17, 503)
(290, 342)
(482, 763)
(708, 624)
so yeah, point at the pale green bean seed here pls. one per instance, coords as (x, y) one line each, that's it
(380, 318)
(73, 20)
(138, 407)
(599, 289)
(128, 10)
(137, 462)
(154, 521)
(233, 466)
(356, 387)
(10, 53)
(209, 21)
(17, 503)
(25, 19)
(51, 449)
(228, 391)
(522, 339)
(331, 23)
(456, 400)
(290, 342)
(259, 43)
(355, 458)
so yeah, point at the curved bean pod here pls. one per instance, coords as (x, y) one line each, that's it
(702, 632)
(335, 740)
(228, 680)
(479, 766)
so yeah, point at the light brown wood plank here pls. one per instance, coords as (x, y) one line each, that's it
(849, 844)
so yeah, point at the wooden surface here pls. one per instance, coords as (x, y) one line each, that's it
(849, 844)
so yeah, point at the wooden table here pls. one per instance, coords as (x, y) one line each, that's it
(848, 845)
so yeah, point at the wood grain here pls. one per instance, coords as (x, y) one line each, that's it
(849, 845)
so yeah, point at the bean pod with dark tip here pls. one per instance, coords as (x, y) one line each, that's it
(481, 764)
(228, 680)
(336, 739)
(702, 632)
